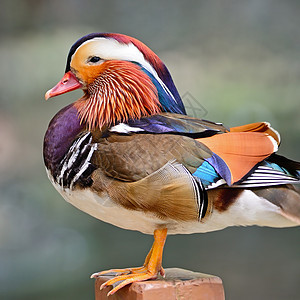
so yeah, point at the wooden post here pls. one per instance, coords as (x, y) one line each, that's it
(177, 284)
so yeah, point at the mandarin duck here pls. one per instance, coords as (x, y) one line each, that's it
(127, 154)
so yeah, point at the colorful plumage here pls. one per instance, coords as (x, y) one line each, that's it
(126, 153)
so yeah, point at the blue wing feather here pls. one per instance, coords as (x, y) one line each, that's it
(207, 174)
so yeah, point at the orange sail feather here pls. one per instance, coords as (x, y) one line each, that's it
(241, 151)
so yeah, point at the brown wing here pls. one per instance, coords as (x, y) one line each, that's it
(151, 173)
(133, 157)
(168, 193)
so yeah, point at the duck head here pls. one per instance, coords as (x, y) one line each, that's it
(121, 79)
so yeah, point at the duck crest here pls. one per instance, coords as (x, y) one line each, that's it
(121, 92)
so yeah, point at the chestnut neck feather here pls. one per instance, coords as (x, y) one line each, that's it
(122, 91)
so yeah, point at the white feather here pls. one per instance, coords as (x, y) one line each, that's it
(124, 128)
(248, 209)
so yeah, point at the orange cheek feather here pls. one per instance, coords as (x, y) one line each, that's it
(88, 74)
(116, 91)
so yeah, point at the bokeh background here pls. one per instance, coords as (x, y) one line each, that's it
(238, 60)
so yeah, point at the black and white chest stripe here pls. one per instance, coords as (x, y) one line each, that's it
(76, 167)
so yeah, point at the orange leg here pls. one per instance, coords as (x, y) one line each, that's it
(150, 269)
(127, 270)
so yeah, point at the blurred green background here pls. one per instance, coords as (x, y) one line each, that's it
(240, 60)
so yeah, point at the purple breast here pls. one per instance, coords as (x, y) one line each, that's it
(62, 130)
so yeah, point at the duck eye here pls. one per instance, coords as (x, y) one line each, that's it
(94, 59)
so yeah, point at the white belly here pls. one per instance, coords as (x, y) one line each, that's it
(249, 209)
